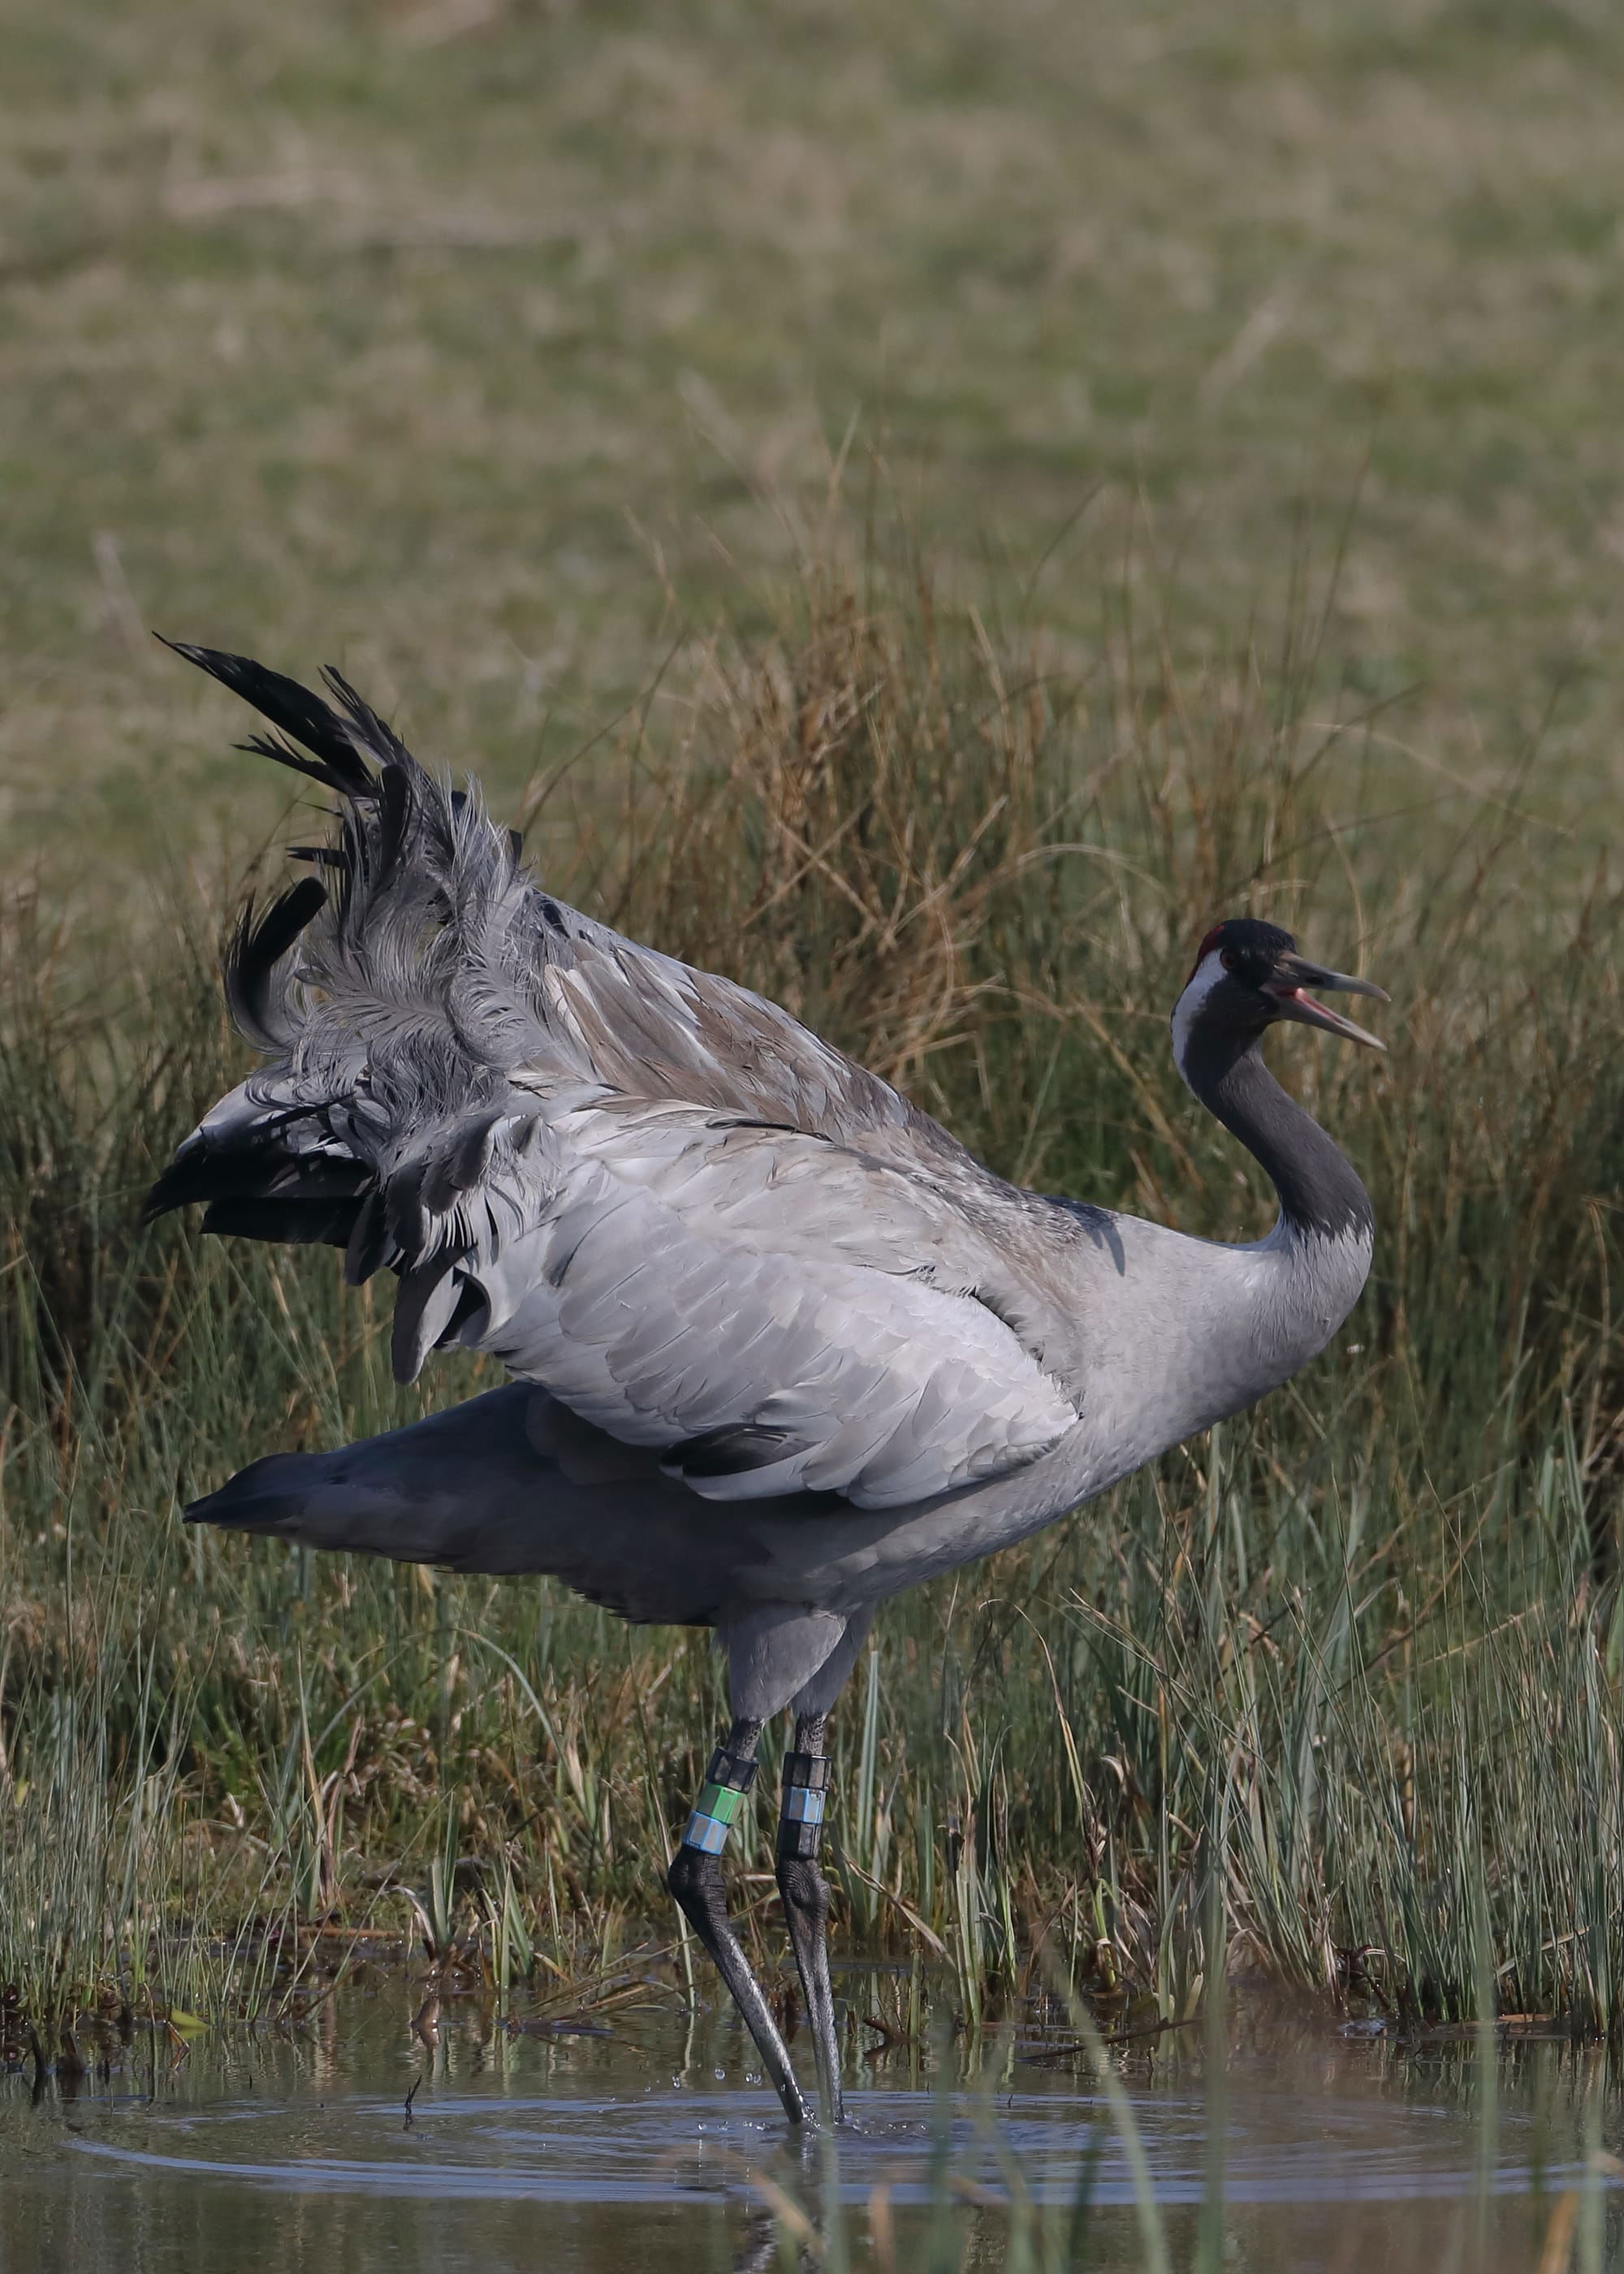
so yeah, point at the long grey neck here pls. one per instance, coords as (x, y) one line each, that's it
(1321, 1196)
(1211, 1328)
(1178, 1333)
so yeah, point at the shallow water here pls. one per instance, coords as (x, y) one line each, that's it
(643, 2139)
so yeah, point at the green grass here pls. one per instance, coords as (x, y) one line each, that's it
(1344, 1678)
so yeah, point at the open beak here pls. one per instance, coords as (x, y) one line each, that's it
(1294, 972)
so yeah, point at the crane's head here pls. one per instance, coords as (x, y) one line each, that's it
(1248, 975)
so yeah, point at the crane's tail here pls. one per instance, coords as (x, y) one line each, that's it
(417, 883)
(444, 1490)
(389, 994)
(508, 1482)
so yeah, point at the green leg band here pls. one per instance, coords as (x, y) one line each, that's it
(726, 1782)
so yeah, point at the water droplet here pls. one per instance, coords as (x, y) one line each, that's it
(676, 2084)
(752, 2076)
(721, 2077)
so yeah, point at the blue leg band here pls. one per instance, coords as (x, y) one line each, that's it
(800, 1816)
(726, 1782)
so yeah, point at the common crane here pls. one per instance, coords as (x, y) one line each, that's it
(781, 1347)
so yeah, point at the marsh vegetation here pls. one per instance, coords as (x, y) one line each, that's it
(1354, 1663)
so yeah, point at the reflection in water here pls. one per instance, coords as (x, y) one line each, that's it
(359, 2140)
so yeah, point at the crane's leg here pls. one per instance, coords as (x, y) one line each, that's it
(779, 1654)
(695, 1882)
(803, 1887)
(804, 1892)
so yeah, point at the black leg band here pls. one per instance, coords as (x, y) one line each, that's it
(800, 1819)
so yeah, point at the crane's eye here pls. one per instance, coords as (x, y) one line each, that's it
(1230, 959)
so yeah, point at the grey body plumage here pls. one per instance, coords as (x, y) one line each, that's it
(782, 1347)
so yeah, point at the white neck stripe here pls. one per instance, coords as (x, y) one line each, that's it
(1192, 1003)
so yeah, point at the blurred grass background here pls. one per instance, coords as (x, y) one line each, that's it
(1219, 412)
(487, 349)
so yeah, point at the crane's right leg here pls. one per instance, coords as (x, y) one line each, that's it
(695, 1882)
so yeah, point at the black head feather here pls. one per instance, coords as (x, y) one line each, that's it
(1250, 947)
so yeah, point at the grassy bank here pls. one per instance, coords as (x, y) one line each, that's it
(1346, 1676)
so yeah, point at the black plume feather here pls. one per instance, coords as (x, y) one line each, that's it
(297, 711)
(726, 1452)
(272, 746)
(376, 733)
(368, 1246)
(295, 1223)
(255, 953)
(395, 815)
